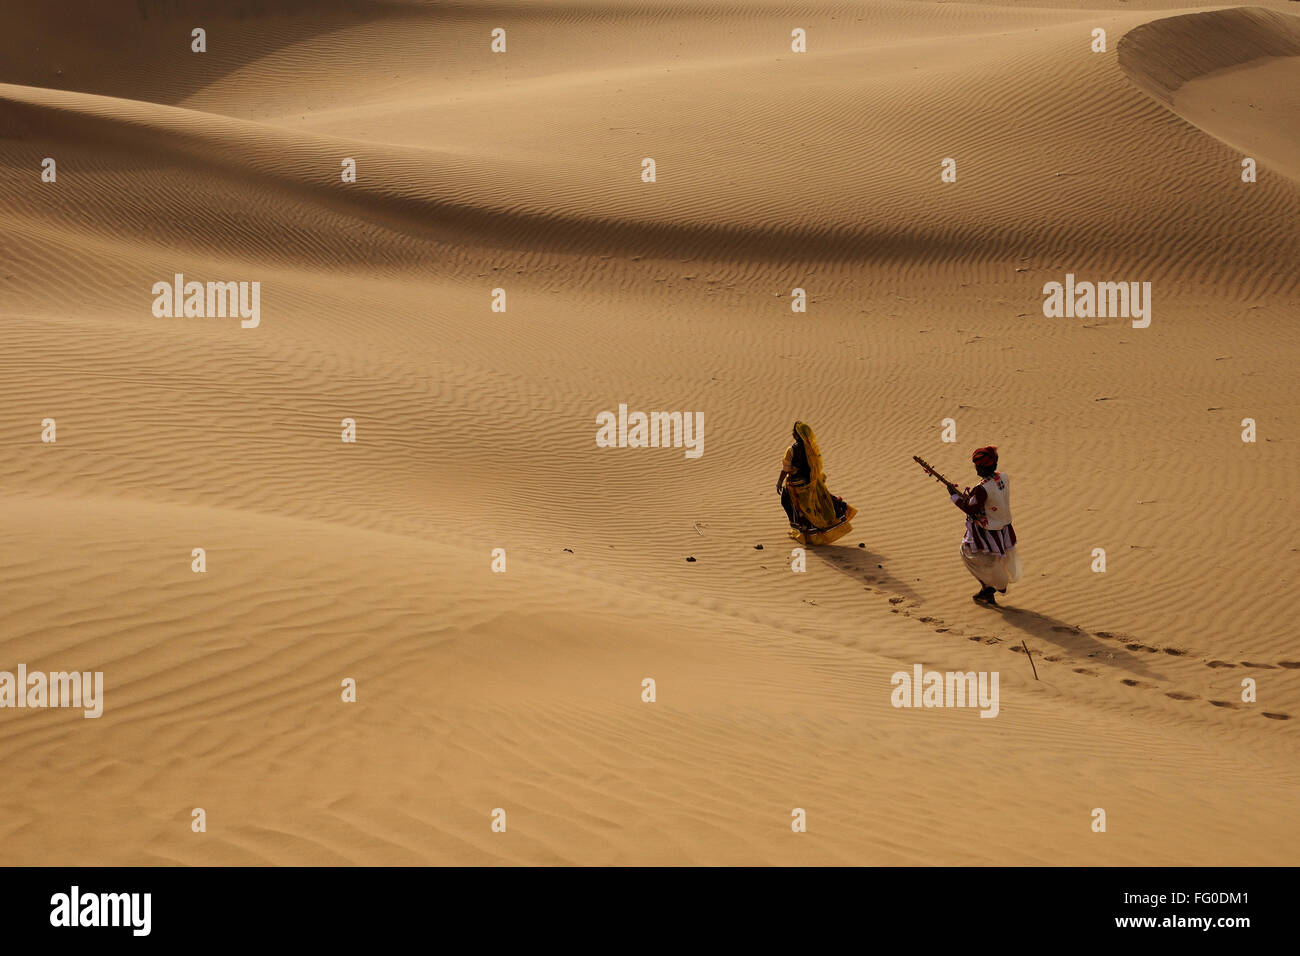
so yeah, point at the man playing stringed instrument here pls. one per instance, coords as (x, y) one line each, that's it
(988, 549)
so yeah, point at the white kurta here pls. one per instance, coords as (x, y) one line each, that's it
(988, 549)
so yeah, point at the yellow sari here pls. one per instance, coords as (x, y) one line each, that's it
(812, 500)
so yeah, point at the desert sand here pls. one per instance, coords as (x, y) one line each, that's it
(373, 560)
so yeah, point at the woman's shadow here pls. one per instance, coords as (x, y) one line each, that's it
(864, 565)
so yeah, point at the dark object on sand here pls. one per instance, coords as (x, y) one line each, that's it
(1031, 658)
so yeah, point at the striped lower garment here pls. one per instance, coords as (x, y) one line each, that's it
(981, 539)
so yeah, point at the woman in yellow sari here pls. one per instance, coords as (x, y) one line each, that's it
(816, 516)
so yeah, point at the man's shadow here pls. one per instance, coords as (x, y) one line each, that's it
(866, 566)
(1077, 642)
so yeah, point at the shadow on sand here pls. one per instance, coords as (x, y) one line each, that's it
(1075, 641)
(864, 565)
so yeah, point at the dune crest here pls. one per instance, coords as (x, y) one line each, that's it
(1162, 55)
(1233, 73)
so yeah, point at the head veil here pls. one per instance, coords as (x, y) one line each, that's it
(811, 450)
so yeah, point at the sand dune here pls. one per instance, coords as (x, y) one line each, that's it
(522, 690)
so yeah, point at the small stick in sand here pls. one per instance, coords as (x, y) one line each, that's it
(1031, 659)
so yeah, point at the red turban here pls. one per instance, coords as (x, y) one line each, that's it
(985, 457)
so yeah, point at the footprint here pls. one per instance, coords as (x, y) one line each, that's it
(1135, 683)
(1136, 646)
(1175, 651)
(1230, 704)
(1084, 670)
(1272, 716)
(895, 600)
(931, 620)
(1179, 695)
(1293, 665)
(1219, 664)
(1062, 629)
(1263, 666)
